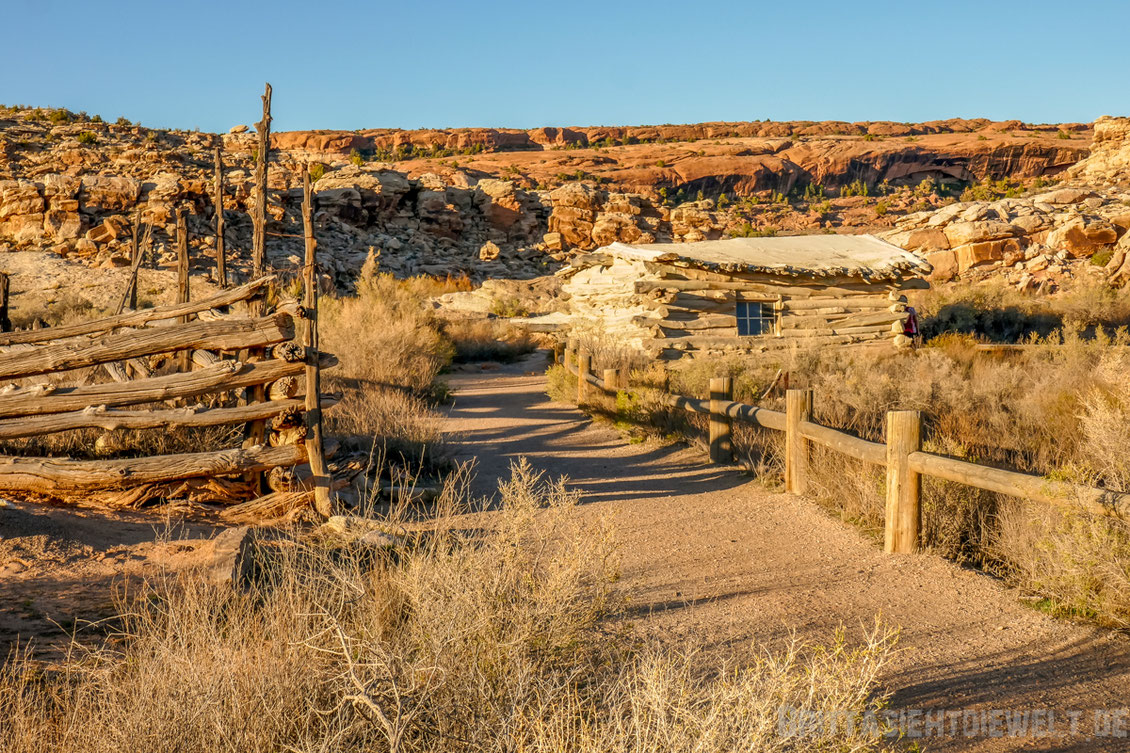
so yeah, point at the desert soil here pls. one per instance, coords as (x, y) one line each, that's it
(712, 558)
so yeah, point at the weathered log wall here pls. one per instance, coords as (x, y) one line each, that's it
(673, 309)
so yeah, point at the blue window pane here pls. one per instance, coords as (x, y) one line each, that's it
(754, 318)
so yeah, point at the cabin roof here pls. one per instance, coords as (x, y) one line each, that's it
(863, 256)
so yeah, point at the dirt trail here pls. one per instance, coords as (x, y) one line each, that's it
(712, 557)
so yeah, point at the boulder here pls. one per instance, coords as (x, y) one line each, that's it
(63, 223)
(105, 193)
(960, 233)
(1080, 237)
(976, 254)
(489, 251)
(241, 128)
(926, 240)
(1064, 196)
(1109, 160)
(21, 210)
(1031, 223)
(108, 231)
(499, 203)
(612, 228)
(944, 264)
(553, 241)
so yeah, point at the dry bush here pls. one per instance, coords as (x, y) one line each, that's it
(1079, 563)
(487, 340)
(490, 639)
(384, 335)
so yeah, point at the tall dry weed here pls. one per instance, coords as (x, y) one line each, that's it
(488, 633)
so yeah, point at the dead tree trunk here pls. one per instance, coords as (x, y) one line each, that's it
(218, 202)
(323, 503)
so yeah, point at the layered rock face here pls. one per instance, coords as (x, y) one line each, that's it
(1079, 230)
(1109, 161)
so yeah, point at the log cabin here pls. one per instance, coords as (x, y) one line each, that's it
(742, 294)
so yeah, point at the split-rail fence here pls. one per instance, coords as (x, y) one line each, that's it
(901, 454)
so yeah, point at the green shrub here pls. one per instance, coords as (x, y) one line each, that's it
(317, 170)
(87, 138)
(1103, 256)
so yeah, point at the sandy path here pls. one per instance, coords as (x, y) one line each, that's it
(711, 557)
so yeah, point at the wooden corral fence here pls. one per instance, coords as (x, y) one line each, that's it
(241, 367)
(132, 348)
(901, 454)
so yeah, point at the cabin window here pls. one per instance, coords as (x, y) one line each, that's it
(755, 318)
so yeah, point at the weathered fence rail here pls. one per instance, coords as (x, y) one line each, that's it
(901, 453)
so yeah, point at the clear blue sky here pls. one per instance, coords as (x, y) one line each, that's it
(411, 64)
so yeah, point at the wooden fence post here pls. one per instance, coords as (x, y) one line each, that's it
(558, 352)
(611, 379)
(218, 203)
(904, 513)
(584, 366)
(721, 445)
(259, 219)
(182, 278)
(570, 352)
(798, 408)
(315, 452)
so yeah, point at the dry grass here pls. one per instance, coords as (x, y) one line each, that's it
(492, 639)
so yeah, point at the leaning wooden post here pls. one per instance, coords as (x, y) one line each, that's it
(218, 203)
(259, 219)
(570, 352)
(134, 258)
(721, 445)
(558, 352)
(5, 291)
(315, 452)
(584, 366)
(182, 278)
(904, 486)
(129, 295)
(798, 408)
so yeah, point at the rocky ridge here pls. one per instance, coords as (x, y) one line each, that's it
(509, 203)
